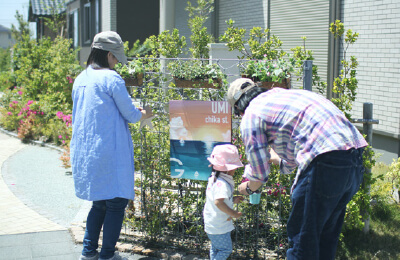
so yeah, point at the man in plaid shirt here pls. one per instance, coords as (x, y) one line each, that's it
(301, 129)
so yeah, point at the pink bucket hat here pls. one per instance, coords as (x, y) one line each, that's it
(225, 157)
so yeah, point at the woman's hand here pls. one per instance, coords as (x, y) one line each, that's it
(147, 112)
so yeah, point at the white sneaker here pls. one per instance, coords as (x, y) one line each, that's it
(115, 257)
(95, 257)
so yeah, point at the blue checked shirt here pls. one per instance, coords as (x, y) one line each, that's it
(299, 125)
(101, 144)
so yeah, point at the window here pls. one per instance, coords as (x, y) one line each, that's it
(73, 29)
(91, 20)
(97, 18)
(87, 23)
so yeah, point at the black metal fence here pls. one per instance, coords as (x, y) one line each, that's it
(167, 212)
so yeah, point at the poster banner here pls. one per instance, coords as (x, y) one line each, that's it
(195, 128)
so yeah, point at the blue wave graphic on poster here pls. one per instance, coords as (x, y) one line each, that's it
(188, 159)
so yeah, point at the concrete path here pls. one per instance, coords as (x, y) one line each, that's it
(24, 233)
(37, 204)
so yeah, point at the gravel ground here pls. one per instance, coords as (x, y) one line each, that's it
(36, 177)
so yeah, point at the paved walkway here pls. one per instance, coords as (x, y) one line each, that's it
(15, 216)
(25, 231)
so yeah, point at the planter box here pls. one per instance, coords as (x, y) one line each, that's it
(269, 85)
(184, 83)
(138, 81)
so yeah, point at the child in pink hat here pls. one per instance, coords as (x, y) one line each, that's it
(218, 209)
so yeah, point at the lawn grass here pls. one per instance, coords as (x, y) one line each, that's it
(383, 239)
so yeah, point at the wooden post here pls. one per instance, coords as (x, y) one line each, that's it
(367, 130)
(307, 75)
(367, 122)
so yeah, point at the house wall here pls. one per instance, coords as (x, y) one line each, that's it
(378, 53)
(5, 40)
(225, 9)
(108, 15)
(246, 14)
(181, 20)
(135, 14)
(309, 19)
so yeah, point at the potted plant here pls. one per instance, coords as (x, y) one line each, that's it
(132, 72)
(196, 73)
(265, 59)
(270, 73)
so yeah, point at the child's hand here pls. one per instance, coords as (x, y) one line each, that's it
(236, 214)
(237, 199)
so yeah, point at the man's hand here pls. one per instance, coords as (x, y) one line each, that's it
(253, 185)
(242, 188)
(275, 159)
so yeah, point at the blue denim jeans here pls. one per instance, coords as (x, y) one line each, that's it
(108, 214)
(221, 246)
(319, 203)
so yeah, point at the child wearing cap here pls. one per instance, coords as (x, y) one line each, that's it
(218, 209)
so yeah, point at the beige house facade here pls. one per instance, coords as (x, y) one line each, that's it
(377, 48)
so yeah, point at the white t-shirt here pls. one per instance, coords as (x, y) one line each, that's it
(215, 221)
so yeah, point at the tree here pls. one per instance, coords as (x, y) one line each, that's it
(200, 38)
(57, 21)
(23, 28)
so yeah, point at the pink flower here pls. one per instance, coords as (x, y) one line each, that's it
(60, 136)
(29, 102)
(19, 92)
(15, 102)
(60, 114)
(9, 113)
(63, 141)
